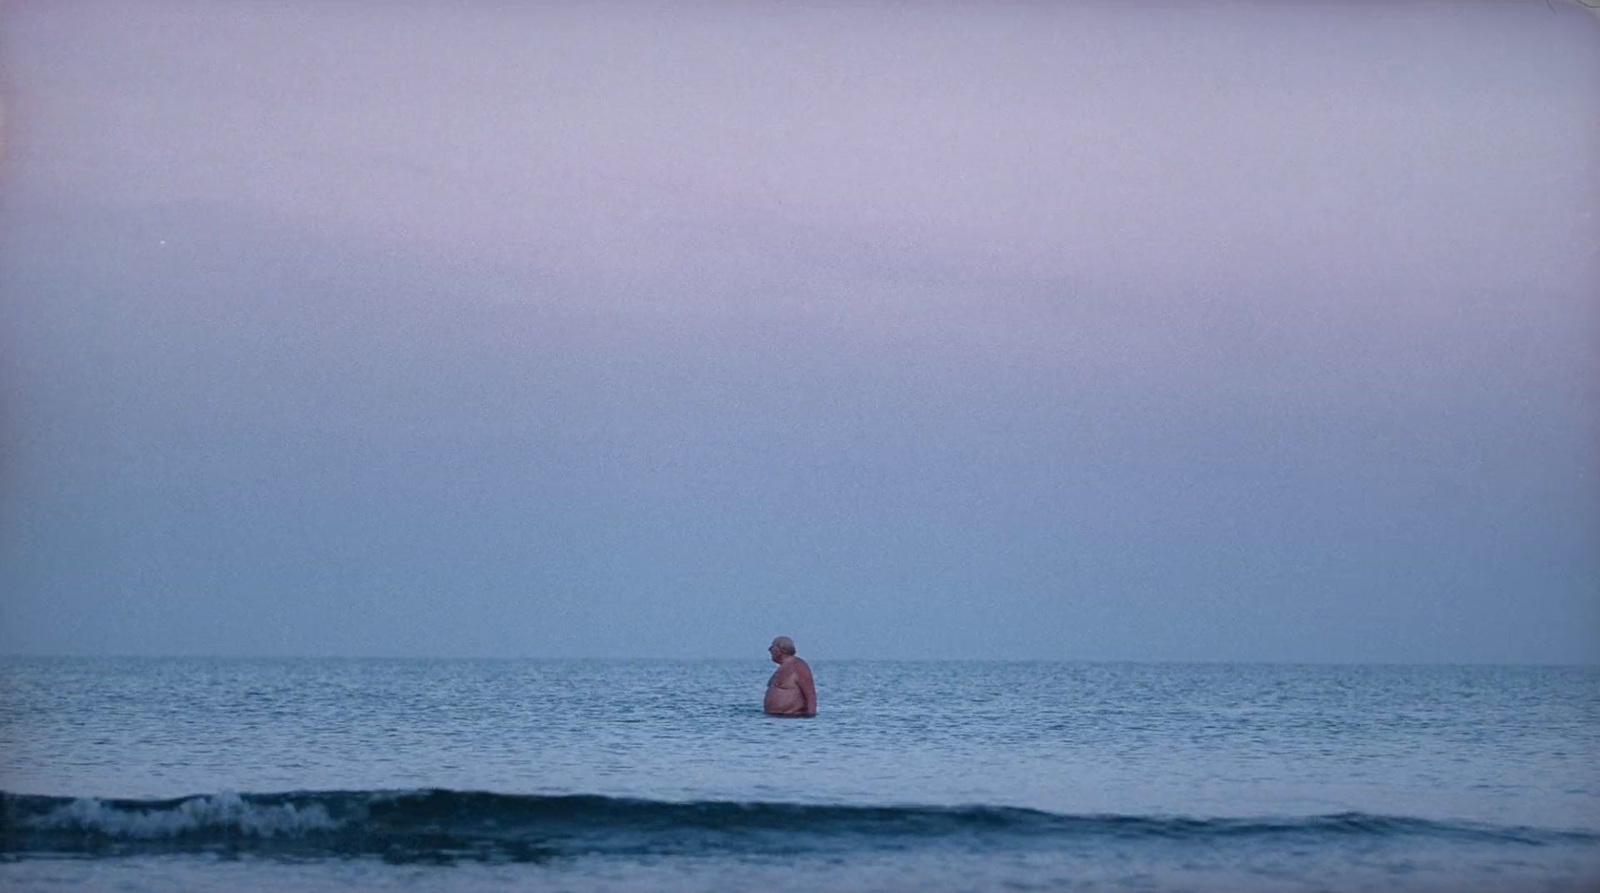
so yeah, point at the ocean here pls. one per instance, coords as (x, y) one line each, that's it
(468, 775)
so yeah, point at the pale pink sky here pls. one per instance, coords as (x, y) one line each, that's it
(1187, 330)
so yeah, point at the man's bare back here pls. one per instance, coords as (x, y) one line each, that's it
(791, 691)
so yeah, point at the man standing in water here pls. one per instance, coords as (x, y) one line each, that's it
(791, 690)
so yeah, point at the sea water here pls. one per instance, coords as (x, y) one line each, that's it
(212, 774)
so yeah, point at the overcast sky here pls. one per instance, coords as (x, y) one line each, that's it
(982, 330)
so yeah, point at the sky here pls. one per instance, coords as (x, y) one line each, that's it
(1191, 332)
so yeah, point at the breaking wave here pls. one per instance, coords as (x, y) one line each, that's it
(444, 826)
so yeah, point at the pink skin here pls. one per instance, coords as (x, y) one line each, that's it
(791, 691)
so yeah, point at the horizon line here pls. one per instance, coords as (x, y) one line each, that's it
(40, 655)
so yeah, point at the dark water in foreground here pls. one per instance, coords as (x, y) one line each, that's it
(570, 775)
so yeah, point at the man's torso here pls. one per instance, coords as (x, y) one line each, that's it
(783, 689)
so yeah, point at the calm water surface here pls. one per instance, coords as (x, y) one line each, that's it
(915, 776)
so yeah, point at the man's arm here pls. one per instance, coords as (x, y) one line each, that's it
(808, 689)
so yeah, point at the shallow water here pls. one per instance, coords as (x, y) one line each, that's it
(915, 776)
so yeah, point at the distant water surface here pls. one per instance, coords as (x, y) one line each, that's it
(474, 775)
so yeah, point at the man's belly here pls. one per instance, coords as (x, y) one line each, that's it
(784, 700)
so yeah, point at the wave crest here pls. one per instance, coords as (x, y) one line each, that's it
(443, 825)
(225, 813)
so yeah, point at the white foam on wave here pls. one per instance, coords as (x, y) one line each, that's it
(217, 812)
